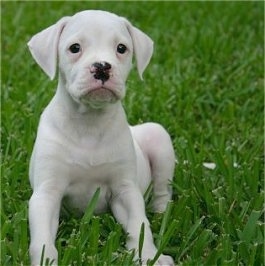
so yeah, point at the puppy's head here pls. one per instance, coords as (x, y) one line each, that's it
(94, 50)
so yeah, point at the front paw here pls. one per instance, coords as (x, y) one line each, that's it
(163, 260)
(42, 256)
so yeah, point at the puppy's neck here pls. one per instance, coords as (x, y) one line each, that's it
(111, 115)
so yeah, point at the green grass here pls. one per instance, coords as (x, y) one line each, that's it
(205, 84)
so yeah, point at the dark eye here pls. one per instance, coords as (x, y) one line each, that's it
(75, 48)
(121, 48)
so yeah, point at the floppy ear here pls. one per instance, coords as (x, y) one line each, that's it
(43, 47)
(143, 47)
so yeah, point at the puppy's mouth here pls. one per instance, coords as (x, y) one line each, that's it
(98, 96)
(101, 93)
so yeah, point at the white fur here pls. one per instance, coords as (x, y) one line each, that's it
(84, 141)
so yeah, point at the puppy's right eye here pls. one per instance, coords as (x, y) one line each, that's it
(75, 48)
(121, 48)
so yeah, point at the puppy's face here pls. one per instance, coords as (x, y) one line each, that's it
(94, 49)
(95, 55)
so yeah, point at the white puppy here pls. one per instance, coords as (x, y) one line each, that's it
(84, 141)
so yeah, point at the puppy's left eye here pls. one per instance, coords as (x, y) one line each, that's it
(75, 48)
(121, 48)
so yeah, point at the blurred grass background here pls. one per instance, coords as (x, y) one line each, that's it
(205, 84)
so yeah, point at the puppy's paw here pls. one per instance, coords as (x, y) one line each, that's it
(163, 260)
(47, 255)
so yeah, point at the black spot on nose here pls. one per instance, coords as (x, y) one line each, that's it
(101, 70)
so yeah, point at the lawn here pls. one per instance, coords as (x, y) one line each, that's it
(205, 84)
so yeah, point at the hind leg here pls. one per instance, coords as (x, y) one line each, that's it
(156, 144)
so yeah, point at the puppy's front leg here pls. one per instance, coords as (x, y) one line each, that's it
(44, 208)
(129, 209)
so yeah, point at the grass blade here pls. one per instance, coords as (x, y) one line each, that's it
(191, 233)
(249, 230)
(141, 240)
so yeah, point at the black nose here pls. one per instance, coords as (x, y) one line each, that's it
(101, 70)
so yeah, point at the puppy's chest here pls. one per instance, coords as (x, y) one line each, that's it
(96, 162)
(92, 155)
(93, 166)
(98, 159)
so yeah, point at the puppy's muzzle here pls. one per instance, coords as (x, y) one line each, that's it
(101, 71)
